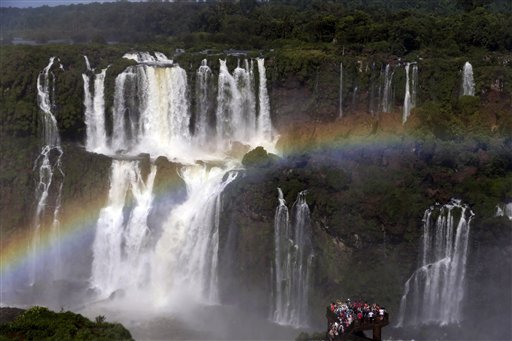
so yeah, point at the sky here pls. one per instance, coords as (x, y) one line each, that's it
(38, 3)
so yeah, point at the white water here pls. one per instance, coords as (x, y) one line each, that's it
(203, 104)
(292, 266)
(48, 165)
(504, 210)
(435, 291)
(264, 122)
(152, 115)
(186, 256)
(387, 96)
(411, 83)
(94, 104)
(236, 110)
(120, 259)
(468, 84)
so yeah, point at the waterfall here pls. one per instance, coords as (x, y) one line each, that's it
(414, 85)
(435, 291)
(293, 259)
(49, 186)
(124, 116)
(468, 84)
(94, 103)
(151, 110)
(264, 122)
(340, 115)
(118, 246)
(186, 256)
(504, 210)
(151, 114)
(236, 108)
(203, 80)
(387, 96)
(411, 83)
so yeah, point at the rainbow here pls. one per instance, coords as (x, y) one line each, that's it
(79, 218)
(76, 220)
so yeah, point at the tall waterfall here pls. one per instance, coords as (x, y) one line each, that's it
(264, 122)
(340, 112)
(49, 187)
(411, 83)
(151, 110)
(293, 259)
(94, 105)
(236, 107)
(203, 102)
(152, 114)
(120, 259)
(468, 84)
(186, 256)
(434, 293)
(387, 95)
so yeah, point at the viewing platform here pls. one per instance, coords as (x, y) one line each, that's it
(375, 326)
(351, 319)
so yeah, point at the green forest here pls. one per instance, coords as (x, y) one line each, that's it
(391, 26)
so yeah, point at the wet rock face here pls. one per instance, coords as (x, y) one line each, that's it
(366, 216)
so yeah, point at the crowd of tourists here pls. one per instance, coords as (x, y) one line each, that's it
(341, 316)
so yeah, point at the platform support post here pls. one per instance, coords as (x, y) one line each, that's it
(377, 332)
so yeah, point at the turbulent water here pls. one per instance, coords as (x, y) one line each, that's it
(435, 291)
(120, 260)
(153, 114)
(50, 181)
(292, 265)
(468, 84)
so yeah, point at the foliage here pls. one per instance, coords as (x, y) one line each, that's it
(258, 158)
(395, 26)
(39, 323)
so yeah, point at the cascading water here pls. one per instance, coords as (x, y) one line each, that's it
(435, 291)
(234, 95)
(120, 260)
(264, 122)
(152, 115)
(414, 85)
(186, 256)
(203, 103)
(151, 110)
(468, 84)
(411, 83)
(504, 210)
(387, 95)
(94, 105)
(125, 115)
(293, 259)
(48, 164)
